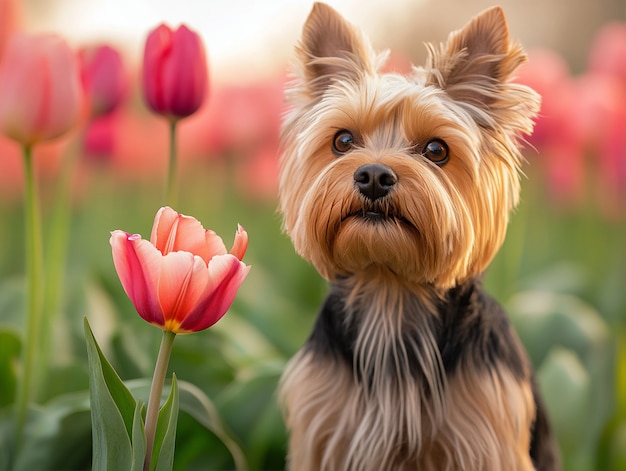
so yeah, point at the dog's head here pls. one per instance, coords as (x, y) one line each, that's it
(414, 174)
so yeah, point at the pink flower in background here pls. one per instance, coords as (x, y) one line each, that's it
(557, 136)
(174, 77)
(183, 279)
(40, 95)
(99, 140)
(608, 52)
(547, 73)
(9, 21)
(243, 123)
(603, 113)
(244, 116)
(103, 78)
(581, 130)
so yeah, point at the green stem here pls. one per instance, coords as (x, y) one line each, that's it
(55, 262)
(154, 400)
(32, 229)
(171, 190)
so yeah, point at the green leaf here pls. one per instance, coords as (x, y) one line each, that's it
(10, 346)
(7, 438)
(250, 407)
(620, 374)
(57, 435)
(113, 410)
(616, 454)
(165, 435)
(544, 319)
(139, 438)
(566, 387)
(200, 407)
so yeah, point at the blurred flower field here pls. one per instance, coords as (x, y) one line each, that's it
(561, 273)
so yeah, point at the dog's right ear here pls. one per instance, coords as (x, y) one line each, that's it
(330, 49)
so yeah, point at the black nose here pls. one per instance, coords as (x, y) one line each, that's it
(374, 180)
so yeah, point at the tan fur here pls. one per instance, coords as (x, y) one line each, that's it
(448, 208)
(443, 226)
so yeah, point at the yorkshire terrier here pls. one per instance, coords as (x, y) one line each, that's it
(398, 190)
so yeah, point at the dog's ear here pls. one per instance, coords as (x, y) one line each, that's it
(330, 49)
(476, 59)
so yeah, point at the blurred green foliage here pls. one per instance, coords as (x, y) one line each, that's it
(561, 275)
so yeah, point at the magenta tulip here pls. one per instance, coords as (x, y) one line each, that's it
(102, 75)
(183, 279)
(175, 76)
(40, 94)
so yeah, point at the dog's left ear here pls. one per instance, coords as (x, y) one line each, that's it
(476, 59)
(331, 49)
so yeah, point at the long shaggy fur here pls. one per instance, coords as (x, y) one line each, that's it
(410, 365)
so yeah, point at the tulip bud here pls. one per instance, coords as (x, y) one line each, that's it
(39, 88)
(174, 72)
(102, 75)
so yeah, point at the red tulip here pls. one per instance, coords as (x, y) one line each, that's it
(174, 72)
(182, 280)
(102, 74)
(39, 88)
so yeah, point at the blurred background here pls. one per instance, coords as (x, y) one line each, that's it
(561, 272)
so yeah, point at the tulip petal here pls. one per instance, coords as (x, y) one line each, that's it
(226, 275)
(138, 265)
(63, 99)
(240, 245)
(182, 285)
(173, 232)
(21, 91)
(158, 47)
(102, 75)
(185, 75)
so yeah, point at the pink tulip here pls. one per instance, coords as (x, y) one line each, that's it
(601, 117)
(556, 136)
(608, 52)
(174, 72)
(99, 140)
(102, 75)
(10, 19)
(40, 93)
(182, 280)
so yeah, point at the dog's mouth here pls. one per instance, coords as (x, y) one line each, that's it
(377, 215)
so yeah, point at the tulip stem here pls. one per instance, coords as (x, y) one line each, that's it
(171, 189)
(154, 400)
(33, 246)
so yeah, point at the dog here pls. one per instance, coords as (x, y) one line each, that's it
(397, 189)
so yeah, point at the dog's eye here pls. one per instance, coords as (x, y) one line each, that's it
(436, 151)
(343, 142)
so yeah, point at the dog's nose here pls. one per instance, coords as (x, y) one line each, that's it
(374, 180)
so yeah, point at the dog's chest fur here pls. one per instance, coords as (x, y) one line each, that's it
(388, 381)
